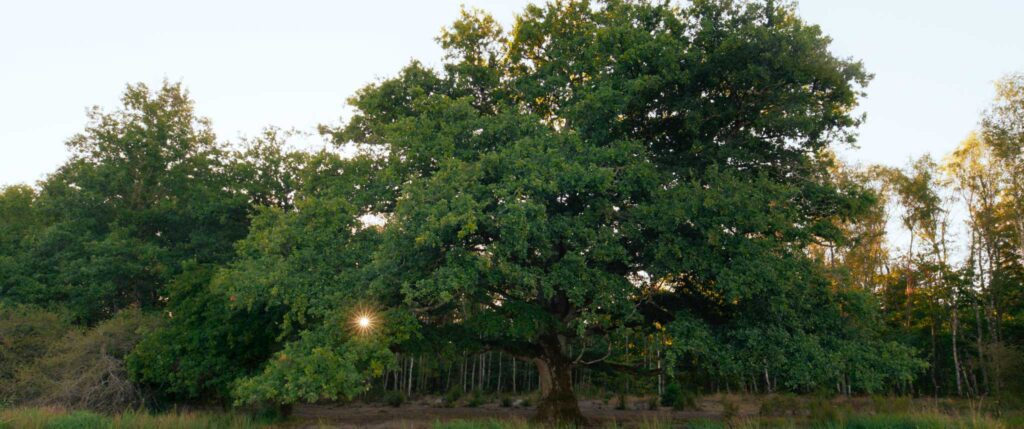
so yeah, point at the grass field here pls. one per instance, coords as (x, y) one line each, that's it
(748, 413)
(52, 418)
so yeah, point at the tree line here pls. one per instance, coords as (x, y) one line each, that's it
(611, 196)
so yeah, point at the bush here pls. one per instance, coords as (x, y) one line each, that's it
(26, 333)
(85, 369)
(208, 345)
(394, 398)
(475, 400)
(452, 397)
(506, 401)
(673, 392)
(678, 398)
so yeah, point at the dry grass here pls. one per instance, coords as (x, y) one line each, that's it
(56, 418)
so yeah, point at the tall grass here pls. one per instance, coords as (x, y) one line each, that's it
(920, 421)
(53, 418)
(885, 421)
(881, 421)
(483, 424)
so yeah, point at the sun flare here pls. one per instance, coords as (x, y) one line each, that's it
(363, 322)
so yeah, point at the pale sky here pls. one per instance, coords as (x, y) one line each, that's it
(292, 64)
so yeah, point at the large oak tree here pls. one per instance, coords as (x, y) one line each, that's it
(602, 169)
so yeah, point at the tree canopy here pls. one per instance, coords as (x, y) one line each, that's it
(615, 193)
(602, 170)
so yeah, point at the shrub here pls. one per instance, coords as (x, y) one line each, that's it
(208, 345)
(26, 333)
(672, 394)
(475, 400)
(85, 369)
(452, 397)
(506, 401)
(678, 398)
(394, 398)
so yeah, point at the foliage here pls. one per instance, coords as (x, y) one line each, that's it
(143, 190)
(678, 398)
(306, 262)
(394, 399)
(605, 166)
(20, 223)
(605, 188)
(26, 333)
(204, 345)
(322, 364)
(476, 399)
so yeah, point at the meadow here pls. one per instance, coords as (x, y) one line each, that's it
(711, 412)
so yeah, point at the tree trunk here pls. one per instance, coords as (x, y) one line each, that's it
(499, 373)
(514, 376)
(558, 401)
(935, 361)
(409, 384)
(955, 326)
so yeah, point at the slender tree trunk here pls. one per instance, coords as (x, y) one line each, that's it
(935, 361)
(981, 348)
(661, 379)
(465, 366)
(481, 367)
(473, 370)
(514, 376)
(955, 324)
(448, 378)
(408, 384)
